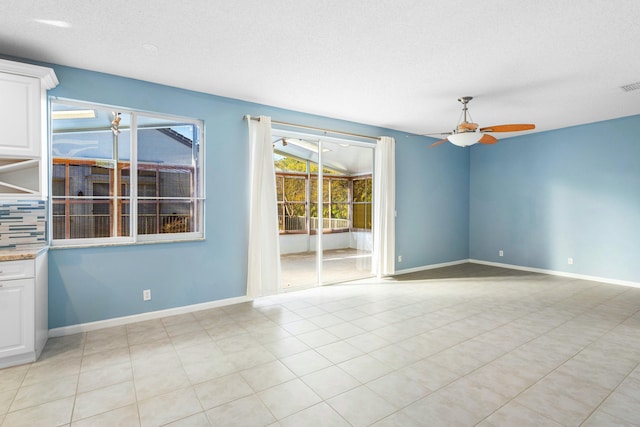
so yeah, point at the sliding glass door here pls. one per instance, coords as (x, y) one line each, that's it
(324, 209)
(345, 234)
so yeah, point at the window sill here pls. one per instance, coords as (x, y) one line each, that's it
(106, 245)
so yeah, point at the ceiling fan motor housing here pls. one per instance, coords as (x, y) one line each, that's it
(466, 127)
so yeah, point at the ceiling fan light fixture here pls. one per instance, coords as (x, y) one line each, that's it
(465, 139)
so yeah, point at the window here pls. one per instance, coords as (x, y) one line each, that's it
(291, 189)
(335, 203)
(346, 200)
(362, 189)
(95, 197)
(292, 197)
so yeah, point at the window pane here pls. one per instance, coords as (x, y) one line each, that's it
(166, 159)
(58, 174)
(125, 218)
(164, 216)
(295, 189)
(148, 217)
(326, 216)
(89, 218)
(88, 202)
(362, 190)
(147, 183)
(86, 152)
(59, 216)
(164, 142)
(314, 190)
(125, 183)
(283, 163)
(362, 216)
(292, 217)
(280, 188)
(339, 190)
(90, 145)
(292, 207)
(341, 211)
(175, 183)
(362, 197)
(313, 167)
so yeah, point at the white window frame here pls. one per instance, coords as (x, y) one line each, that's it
(134, 238)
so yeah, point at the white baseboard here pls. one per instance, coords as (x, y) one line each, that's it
(125, 320)
(431, 267)
(558, 273)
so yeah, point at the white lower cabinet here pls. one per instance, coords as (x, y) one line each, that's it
(23, 310)
(16, 317)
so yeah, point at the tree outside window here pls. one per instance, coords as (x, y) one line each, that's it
(346, 201)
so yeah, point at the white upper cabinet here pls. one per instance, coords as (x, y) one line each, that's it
(20, 115)
(23, 94)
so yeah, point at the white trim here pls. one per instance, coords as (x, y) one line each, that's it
(46, 75)
(107, 244)
(559, 273)
(125, 320)
(523, 268)
(430, 267)
(17, 359)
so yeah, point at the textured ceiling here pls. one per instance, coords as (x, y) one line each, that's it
(400, 64)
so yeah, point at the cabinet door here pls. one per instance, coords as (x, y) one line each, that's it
(16, 317)
(20, 115)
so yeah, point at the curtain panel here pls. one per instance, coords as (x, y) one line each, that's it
(384, 208)
(263, 269)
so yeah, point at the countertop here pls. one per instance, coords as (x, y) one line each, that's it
(19, 254)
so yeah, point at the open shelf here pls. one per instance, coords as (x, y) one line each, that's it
(19, 176)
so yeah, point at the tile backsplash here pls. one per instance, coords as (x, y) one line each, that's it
(23, 224)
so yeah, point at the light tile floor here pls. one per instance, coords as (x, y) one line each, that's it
(466, 345)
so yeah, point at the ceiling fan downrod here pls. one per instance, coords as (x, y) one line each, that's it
(464, 100)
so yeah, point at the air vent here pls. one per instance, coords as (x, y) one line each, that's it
(630, 87)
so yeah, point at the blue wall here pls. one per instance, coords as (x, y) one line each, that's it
(541, 198)
(98, 283)
(573, 192)
(433, 203)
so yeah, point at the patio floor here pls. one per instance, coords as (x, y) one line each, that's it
(339, 265)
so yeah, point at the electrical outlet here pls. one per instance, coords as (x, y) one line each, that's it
(146, 295)
(570, 261)
(399, 258)
(500, 252)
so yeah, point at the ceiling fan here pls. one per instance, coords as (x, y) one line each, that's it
(467, 133)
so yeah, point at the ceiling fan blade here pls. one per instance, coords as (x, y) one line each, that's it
(488, 139)
(442, 141)
(508, 128)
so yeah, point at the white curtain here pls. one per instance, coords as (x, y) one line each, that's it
(384, 208)
(263, 272)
